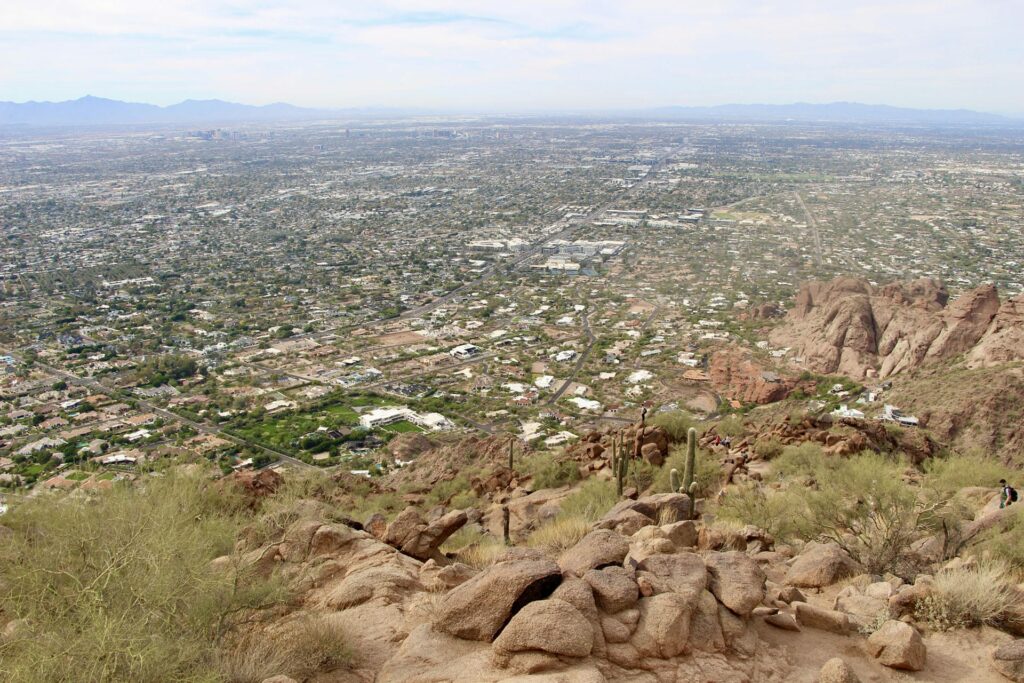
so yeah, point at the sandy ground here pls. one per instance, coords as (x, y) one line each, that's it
(953, 657)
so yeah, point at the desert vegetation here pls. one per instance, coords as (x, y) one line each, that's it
(120, 587)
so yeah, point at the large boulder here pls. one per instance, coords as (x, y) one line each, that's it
(253, 486)
(906, 599)
(552, 626)
(820, 618)
(480, 607)
(664, 625)
(600, 548)
(1008, 659)
(836, 670)
(683, 573)
(614, 588)
(668, 507)
(626, 522)
(682, 534)
(406, 525)
(898, 646)
(416, 537)
(652, 454)
(426, 543)
(819, 565)
(736, 580)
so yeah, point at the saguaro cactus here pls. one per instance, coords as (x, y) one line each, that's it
(621, 471)
(511, 453)
(690, 470)
(674, 482)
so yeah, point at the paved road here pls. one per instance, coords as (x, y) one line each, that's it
(814, 228)
(591, 340)
(201, 427)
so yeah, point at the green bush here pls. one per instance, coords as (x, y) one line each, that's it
(783, 514)
(676, 423)
(806, 459)
(1005, 541)
(548, 472)
(708, 476)
(731, 426)
(768, 448)
(863, 505)
(949, 474)
(590, 500)
(119, 587)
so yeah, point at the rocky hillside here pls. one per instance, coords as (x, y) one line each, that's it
(850, 327)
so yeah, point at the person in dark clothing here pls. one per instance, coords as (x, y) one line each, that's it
(1007, 494)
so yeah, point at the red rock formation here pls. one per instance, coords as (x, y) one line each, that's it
(737, 376)
(848, 326)
(1003, 341)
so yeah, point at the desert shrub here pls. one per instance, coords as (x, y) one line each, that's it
(549, 473)
(768, 447)
(310, 644)
(676, 424)
(443, 491)
(804, 459)
(708, 476)
(642, 474)
(482, 554)
(590, 500)
(118, 587)
(731, 426)
(953, 472)
(559, 534)
(473, 546)
(780, 513)
(969, 596)
(863, 505)
(1005, 541)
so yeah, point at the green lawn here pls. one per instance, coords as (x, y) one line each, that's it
(281, 431)
(77, 476)
(106, 476)
(403, 426)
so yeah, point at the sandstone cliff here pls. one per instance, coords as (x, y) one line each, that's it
(851, 327)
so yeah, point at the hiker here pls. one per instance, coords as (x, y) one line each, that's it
(1007, 494)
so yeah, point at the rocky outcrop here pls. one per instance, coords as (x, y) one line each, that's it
(850, 327)
(418, 538)
(1003, 340)
(1008, 659)
(836, 670)
(820, 565)
(252, 486)
(738, 376)
(898, 646)
(480, 608)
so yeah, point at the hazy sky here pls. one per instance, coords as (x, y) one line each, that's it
(517, 54)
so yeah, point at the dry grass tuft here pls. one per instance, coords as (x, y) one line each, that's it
(970, 596)
(559, 534)
(310, 645)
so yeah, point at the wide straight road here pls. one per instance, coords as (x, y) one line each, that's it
(201, 427)
(814, 228)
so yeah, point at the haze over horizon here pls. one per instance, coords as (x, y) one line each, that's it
(483, 56)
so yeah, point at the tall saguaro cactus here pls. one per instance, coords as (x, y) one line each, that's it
(688, 485)
(621, 471)
(690, 470)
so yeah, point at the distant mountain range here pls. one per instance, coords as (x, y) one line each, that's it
(89, 110)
